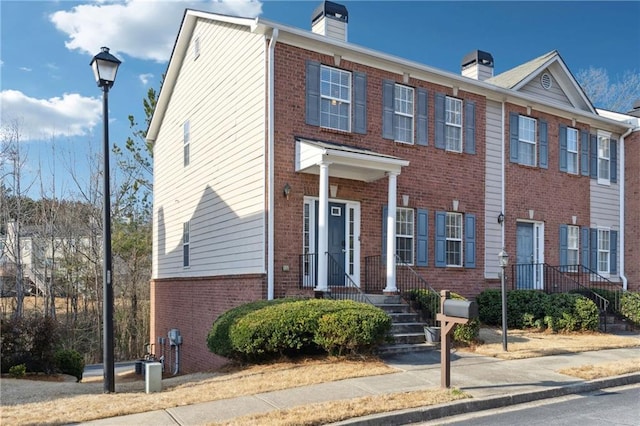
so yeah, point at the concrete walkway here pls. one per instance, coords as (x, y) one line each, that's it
(491, 382)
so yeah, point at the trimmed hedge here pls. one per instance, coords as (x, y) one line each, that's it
(70, 362)
(630, 306)
(266, 329)
(531, 308)
(429, 304)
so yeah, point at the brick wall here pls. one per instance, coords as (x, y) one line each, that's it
(191, 305)
(632, 210)
(433, 179)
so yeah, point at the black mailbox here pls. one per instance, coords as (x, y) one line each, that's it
(460, 308)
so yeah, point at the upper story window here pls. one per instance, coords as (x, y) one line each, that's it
(186, 139)
(335, 98)
(403, 110)
(404, 234)
(186, 238)
(528, 143)
(572, 151)
(453, 124)
(527, 140)
(604, 159)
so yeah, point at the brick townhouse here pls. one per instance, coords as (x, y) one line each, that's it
(291, 162)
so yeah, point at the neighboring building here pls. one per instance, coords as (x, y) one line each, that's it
(273, 144)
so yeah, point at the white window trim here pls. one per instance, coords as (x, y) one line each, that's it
(604, 135)
(186, 140)
(607, 251)
(407, 236)
(460, 240)
(576, 248)
(403, 114)
(533, 142)
(450, 124)
(337, 99)
(186, 243)
(575, 153)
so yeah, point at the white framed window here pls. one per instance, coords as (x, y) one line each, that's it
(453, 234)
(403, 109)
(335, 98)
(527, 140)
(186, 139)
(405, 223)
(573, 244)
(572, 151)
(196, 48)
(453, 124)
(603, 251)
(186, 238)
(604, 159)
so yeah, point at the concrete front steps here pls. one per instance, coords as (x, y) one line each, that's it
(407, 328)
(614, 324)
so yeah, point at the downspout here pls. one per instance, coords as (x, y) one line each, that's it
(271, 160)
(502, 178)
(622, 206)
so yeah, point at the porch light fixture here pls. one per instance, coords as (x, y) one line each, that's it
(501, 218)
(286, 190)
(503, 257)
(105, 68)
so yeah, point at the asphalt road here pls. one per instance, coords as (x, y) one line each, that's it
(614, 406)
(95, 370)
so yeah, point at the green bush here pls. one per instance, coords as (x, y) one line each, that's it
(490, 306)
(571, 312)
(524, 308)
(70, 362)
(429, 302)
(31, 341)
(356, 330)
(218, 340)
(18, 371)
(630, 306)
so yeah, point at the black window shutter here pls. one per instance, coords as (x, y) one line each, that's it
(360, 102)
(388, 110)
(470, 127)
(422, 123)
(313, 93)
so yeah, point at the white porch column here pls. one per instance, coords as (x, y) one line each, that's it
(323, 229)
(391, 234)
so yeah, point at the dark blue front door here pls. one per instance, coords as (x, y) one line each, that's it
(336, 245)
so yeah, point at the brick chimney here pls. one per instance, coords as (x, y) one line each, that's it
(477, 65)
(330, 19)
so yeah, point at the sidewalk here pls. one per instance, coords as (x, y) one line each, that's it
(491, 382)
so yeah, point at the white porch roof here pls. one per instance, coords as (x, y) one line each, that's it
(345, 161)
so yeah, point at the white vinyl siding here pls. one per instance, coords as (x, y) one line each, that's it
(453, 124)
(493, 189)
(554, 93)
(572, 151)
(221, 193)
(403, 108)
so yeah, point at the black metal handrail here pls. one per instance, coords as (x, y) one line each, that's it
(408, 282)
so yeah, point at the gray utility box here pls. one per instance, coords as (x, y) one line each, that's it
(460, 308)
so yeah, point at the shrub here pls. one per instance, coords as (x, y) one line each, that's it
(524, 308)
(630, 306)
(571, 312)
(355, 330)
(18, 371)
(218, 340)
(490, 306)
(70, 362)
(31, 341)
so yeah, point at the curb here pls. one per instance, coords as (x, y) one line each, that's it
(424, 414)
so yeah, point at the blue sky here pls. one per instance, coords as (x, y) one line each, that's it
(47, 85)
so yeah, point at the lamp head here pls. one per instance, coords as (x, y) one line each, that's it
(105, 66)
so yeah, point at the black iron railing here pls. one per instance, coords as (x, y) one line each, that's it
(408, 282)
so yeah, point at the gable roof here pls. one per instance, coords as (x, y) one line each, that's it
(518, 77)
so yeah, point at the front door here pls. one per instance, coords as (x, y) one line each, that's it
(528, 270)
(337, 243)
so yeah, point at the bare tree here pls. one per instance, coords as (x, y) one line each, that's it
(617, 95)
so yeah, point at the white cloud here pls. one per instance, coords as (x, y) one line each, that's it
(141, 29)
(69, 115)
(25, 69)
(144, 78)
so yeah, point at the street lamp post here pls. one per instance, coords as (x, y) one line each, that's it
(105, 67)
(504, 261)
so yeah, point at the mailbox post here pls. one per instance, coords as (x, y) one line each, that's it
(452, 312)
